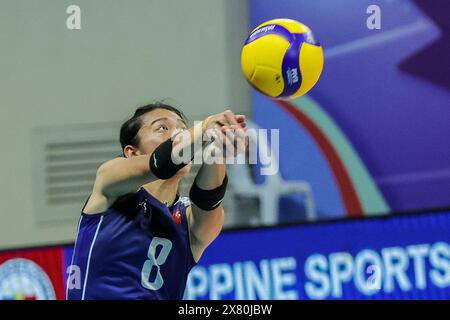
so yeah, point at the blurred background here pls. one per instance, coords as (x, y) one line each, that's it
(364, 157)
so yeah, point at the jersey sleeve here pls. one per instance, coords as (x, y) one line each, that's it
(185, 201)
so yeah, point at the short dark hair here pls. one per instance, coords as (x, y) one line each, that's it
(130, 128)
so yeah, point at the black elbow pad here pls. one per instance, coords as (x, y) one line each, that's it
(208, 200)
(161, 164)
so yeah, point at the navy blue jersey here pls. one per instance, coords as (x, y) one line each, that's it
(137, 249)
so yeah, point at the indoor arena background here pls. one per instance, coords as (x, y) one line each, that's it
(360, 205)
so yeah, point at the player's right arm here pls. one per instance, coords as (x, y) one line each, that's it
(116, 178)
(121, 176)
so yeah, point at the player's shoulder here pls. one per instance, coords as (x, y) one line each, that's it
(184, 201)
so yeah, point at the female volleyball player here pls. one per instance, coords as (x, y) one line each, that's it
(137, 238)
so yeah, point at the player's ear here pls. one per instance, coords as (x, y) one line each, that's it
(131, 151)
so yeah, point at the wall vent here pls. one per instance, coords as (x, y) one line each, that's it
(65, 160)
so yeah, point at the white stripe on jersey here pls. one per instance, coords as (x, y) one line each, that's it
(89, 257)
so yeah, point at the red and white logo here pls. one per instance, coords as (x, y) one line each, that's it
(176, 216)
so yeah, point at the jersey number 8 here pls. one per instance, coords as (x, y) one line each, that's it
(154, 261)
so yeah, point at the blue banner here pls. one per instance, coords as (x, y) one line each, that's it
(395, 257)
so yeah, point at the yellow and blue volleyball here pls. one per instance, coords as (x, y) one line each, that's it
(282, 59)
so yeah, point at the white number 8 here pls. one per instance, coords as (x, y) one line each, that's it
(155, 261)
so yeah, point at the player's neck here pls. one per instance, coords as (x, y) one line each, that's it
(164, 190)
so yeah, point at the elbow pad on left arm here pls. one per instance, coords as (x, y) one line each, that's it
(208, 200)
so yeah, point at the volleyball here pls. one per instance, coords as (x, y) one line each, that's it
(282, 59)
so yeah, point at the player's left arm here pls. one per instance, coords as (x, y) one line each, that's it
(206, 225)
(206, 215)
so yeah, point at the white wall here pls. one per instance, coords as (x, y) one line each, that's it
(126, 54)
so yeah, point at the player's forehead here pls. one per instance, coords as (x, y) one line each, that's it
(162, 115)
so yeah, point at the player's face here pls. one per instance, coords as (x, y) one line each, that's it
(158, 126)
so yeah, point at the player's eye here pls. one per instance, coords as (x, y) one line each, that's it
(162, 128)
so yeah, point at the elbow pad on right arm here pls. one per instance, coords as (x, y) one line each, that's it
(161, 164)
